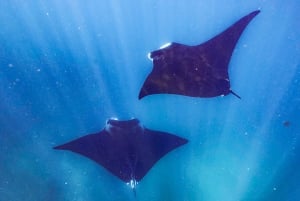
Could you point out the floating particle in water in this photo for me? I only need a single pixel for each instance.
(286, 123)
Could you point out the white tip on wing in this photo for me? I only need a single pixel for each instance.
(149, 56)
(165, 45)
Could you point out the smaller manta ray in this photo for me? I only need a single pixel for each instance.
(196, 71)
(125, 148)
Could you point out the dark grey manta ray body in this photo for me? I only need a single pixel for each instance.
(125, 148)
(197, 71)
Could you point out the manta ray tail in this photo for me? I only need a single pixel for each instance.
(235, 94)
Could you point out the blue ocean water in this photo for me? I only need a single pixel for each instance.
(67, 66)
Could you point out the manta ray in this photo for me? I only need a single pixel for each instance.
(126, 149)
(196, 71)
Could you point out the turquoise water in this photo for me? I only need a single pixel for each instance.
(67, 66)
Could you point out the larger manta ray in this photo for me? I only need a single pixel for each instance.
(125, 148)
(197, 71)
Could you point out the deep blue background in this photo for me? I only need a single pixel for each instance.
(67, 66)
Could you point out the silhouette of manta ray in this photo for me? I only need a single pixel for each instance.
(197, 71)
(125, 148)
